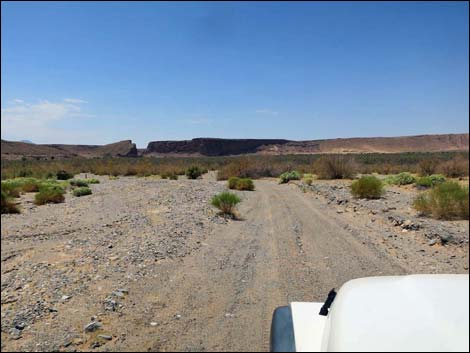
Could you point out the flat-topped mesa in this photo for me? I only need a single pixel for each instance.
(211, 146)
(17, 150)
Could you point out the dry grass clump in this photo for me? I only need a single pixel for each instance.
(367, 187)
(335, 167)
(455, 168)
(82, 191)
(226, 203)
(236, 183)
(448, 200)
(50, 194)
(7, 205)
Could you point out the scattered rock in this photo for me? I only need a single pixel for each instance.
(106, 337)
(93, 326)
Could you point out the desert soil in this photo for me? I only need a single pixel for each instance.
(148, 264)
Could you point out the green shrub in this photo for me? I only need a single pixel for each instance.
(307, 180)
(21, 185)
(288, 176)
(335, 167)
(63, 175)
(173, 176)
(430, 180)
(11, 189)
(245, 184)
(226, 202)
(240, 183)
(49, 194)
(30, 185)
(193, 172)
(7, 206)
(448, 200)
(367, 187)
(79, 182)
(403, 178)
(232, 182)
(92, 181)
(82, 191)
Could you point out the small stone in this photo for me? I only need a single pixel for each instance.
(117, 294)
(177, 316)
(445, 238)
(20, 326)
(407, 223)
(106, 337)
(153, 324)
(432, 242)
(92, 326)
(66, 297)
(15, 333)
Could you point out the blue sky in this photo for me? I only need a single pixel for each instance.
(102, 72)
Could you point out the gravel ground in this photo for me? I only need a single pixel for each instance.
(145, 264)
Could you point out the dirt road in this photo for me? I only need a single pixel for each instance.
(151, 262)
(284, 249)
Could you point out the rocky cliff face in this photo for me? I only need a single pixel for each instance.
(210, 146)
(17, 150)
(225, 147)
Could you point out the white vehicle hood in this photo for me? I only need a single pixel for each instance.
(398, 313)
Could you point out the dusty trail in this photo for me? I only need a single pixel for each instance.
(193, 281)
(283, 250)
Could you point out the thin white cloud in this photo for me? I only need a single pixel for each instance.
(36, 121)
(266, 112)
(197, 121)
(19, 101)
(74, 100)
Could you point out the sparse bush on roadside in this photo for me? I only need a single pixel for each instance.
(240, 183)
(49, 194)
(288, 176)
(173, 177)
(226, 203)
(193, 172)
(17, 185)
(92, 181)
(455, 168)
(430, 180)
(78, 182)
(82, 191)
(448, 200)
(63, 175)
(113, 177)
(427, 167)
(307, 179)
(335, 167)
(403, 178)
(11, 189)
(7, 206)
(367, 187)
(232, 182)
